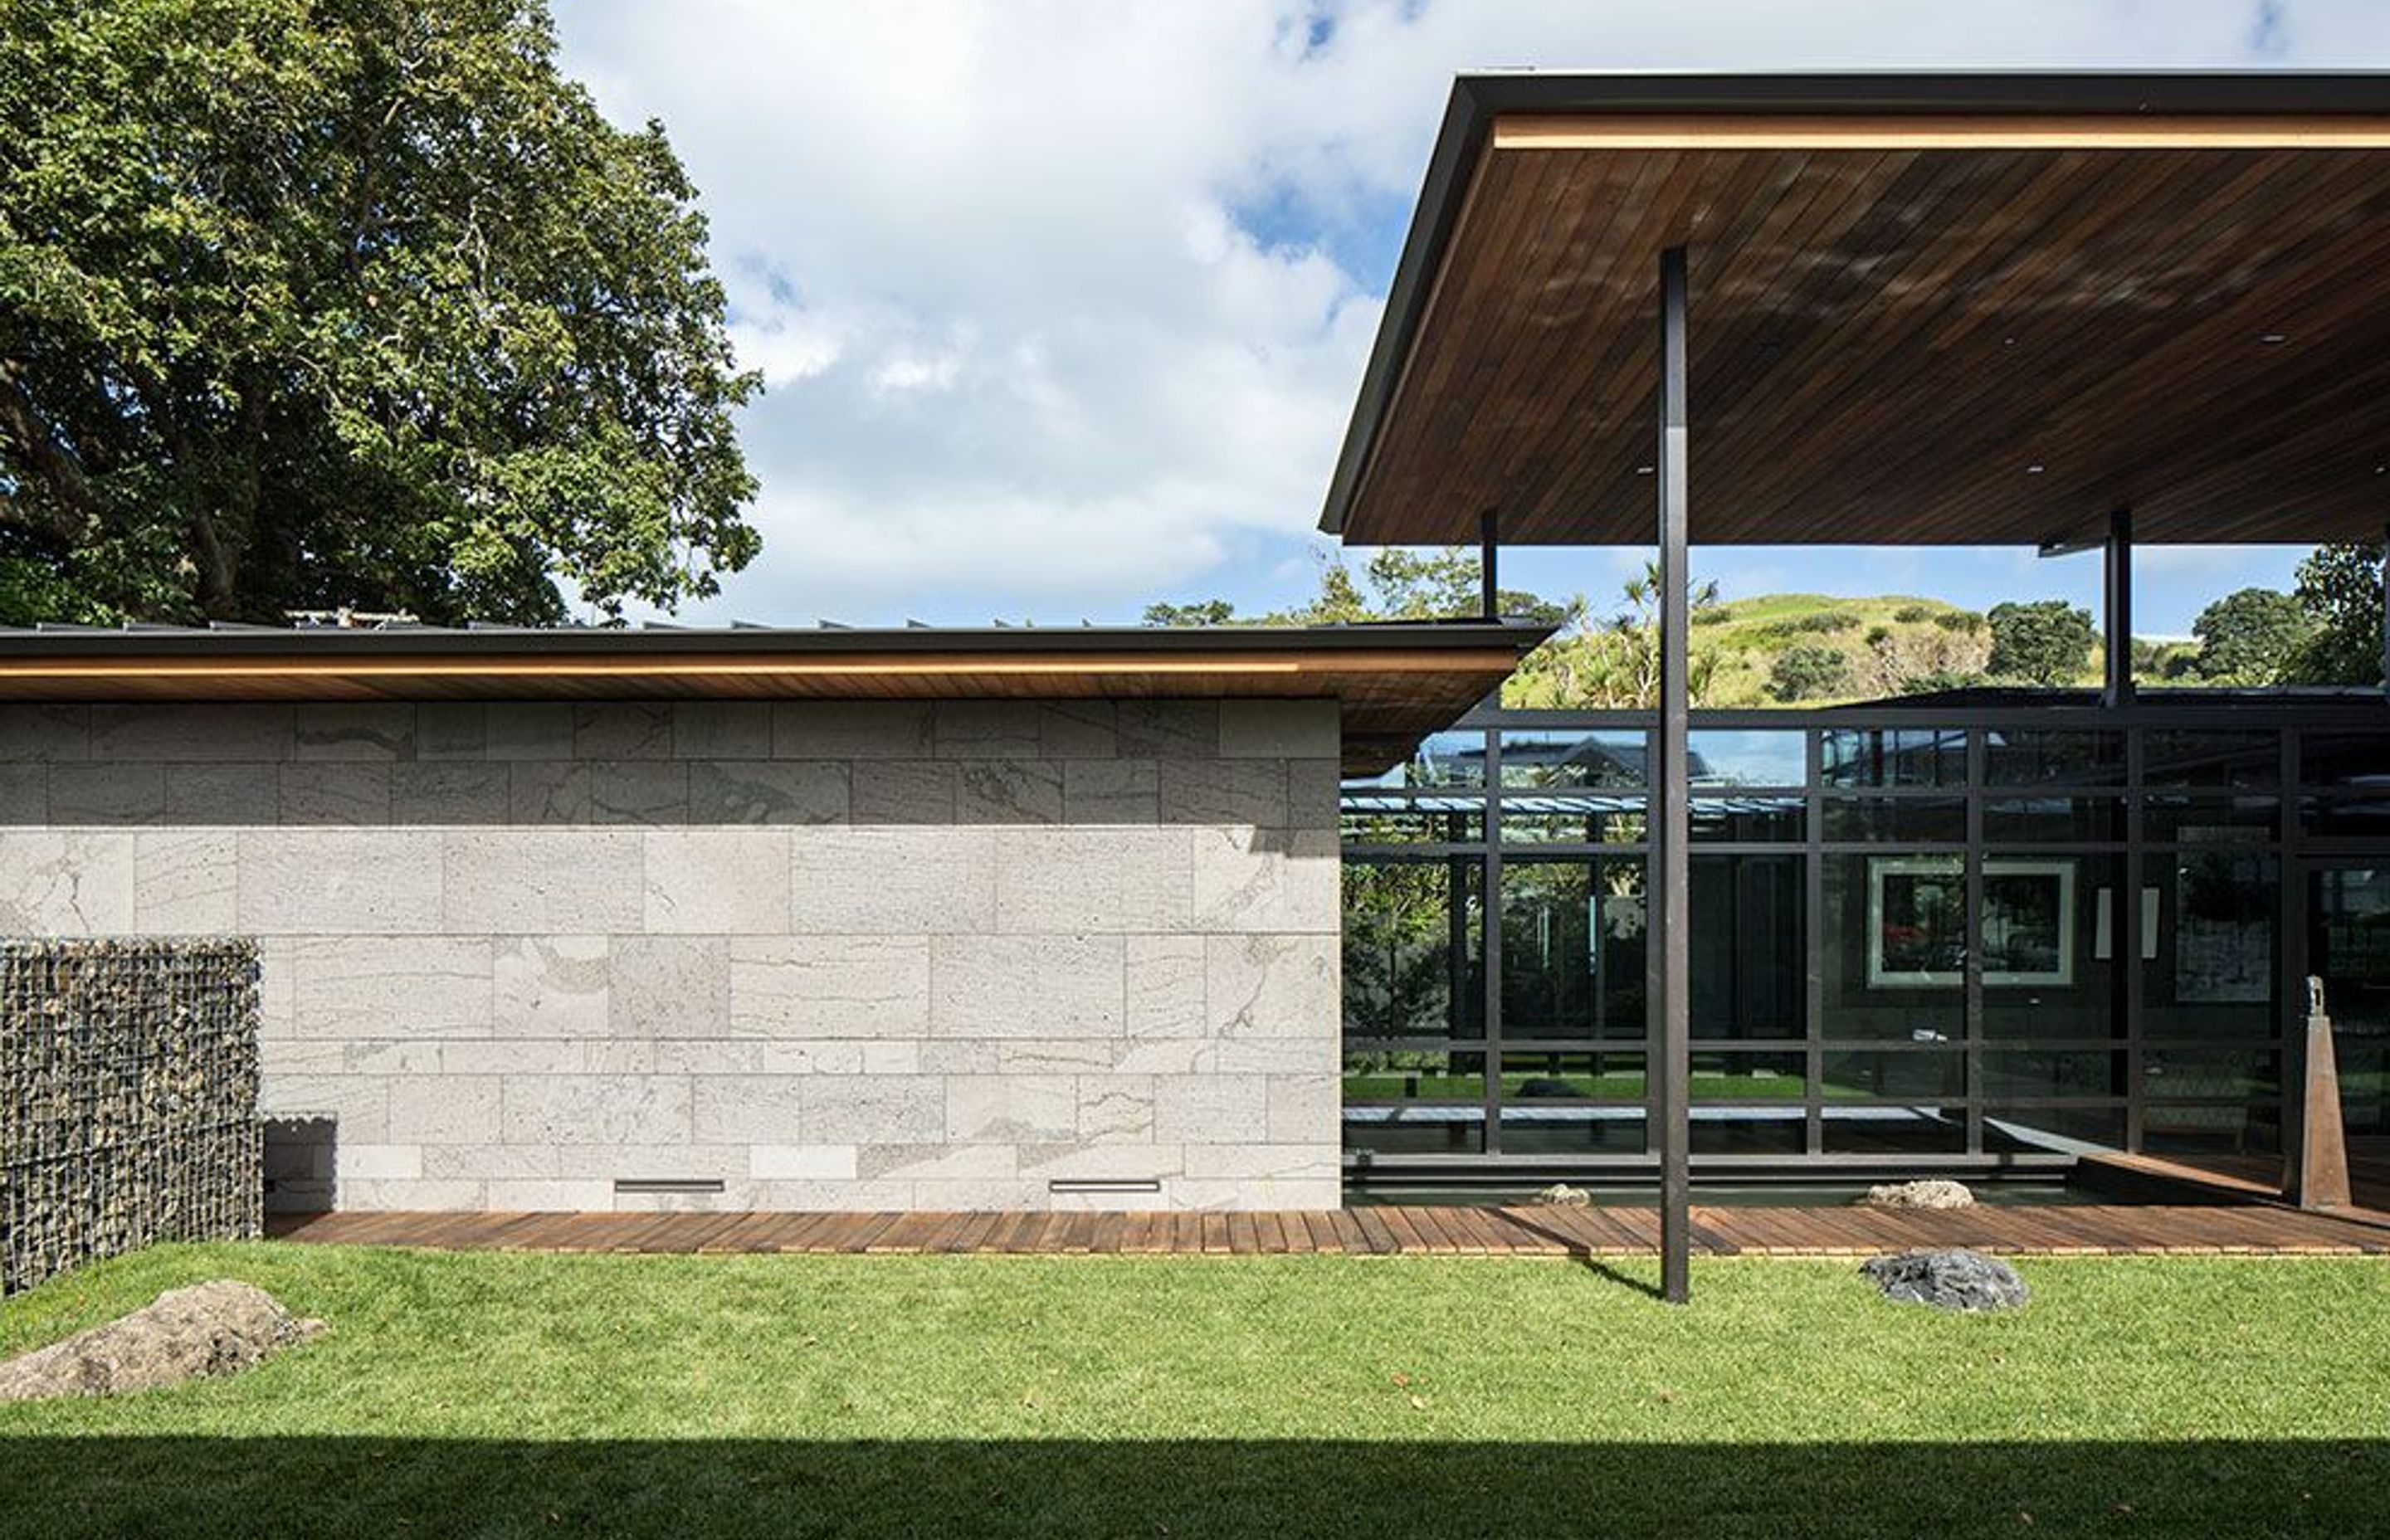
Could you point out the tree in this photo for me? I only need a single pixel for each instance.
(2250, 636)
(2340, 589)
(310, 303)
(1201, 613)
(2046, 642)
(1808, 672)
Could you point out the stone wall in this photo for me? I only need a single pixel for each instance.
(858, 955)
(128, 1099)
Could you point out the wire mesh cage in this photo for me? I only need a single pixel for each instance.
(128, 1099)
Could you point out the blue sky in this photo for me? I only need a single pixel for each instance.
(1063, 304)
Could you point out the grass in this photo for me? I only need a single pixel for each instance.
(495, 1394)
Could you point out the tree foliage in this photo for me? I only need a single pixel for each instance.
(1808, 672)
(2340, 589)
(2045, 642)
(2250, 636)
(307, 303)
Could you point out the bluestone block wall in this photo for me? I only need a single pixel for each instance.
(835, 955)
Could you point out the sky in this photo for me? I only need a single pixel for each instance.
(1063, 304)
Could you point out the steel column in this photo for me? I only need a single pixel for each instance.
(1671, 822)
(2117, 603)
(2386, 616)
(1489, 591)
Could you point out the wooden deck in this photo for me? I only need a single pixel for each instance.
(2016, 1230)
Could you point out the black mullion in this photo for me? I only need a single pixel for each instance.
(1490, 943)
(1812, 904)
(2127, 987)
(1971, 968)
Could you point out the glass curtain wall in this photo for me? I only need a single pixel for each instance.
(2010, 940)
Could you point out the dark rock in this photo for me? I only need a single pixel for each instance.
(208, 1328)
(1947, 1280)
(1544, 1085)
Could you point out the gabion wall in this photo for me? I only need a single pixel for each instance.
(128, 1099)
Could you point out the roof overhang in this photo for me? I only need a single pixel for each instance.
(1393, 683)
(1924, 309)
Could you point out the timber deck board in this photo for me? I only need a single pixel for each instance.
(2105, 1229)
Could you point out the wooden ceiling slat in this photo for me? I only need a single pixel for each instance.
(1882, 340)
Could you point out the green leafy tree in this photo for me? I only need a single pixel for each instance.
(1808, 673)
(2340, 589)
(1201, 613)
(307, 303)
(2045, 642)
(2250, 636)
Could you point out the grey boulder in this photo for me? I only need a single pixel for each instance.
(209, 1328)
(1928, 1194)
(1947, 1280)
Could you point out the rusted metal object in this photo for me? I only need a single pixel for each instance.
(2318, 1177)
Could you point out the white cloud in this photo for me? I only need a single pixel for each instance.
(1064, 300)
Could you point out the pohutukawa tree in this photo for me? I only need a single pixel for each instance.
(317, 302)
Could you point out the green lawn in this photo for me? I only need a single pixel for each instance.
(483, 1395)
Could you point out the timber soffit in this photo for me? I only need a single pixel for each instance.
(2004, 131)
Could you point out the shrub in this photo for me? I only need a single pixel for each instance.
(1806, 673)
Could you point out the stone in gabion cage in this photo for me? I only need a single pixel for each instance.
(128, 1099)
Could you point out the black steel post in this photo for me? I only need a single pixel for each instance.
(1671, 823)
(2117, 601)
(1490, 594)
(2386, 616)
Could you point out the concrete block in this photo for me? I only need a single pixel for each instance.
(1027, 986)
(623, 729)
(1205, 1110)
(528, 730)
(354, 730)
(832, 1197)
(906, 793)
(548, 1056)
(987, 729)
(978, 1195)
(1122, 1162)
(829, 986)
(1314, 787)
(899, 1057)
(25, 793)
(459, 791)
(493, 1163)
(767, 791)
(551, 986)
(438, 1196)
(1273, 986)
(1165, 987)
(1278, 1055)
(560, 881)
(1279, 730)
(312, 794)
(1066, 1057)
(383, 986)
(669, 986)
(580, 1195)
(1077, 729)
(891, 881)
(874, 1109)
(1260, 1160)
(1115, 1109)
(67, 883)
(378, 1162)
(51, 735)
(358, 1106)
(1266, 880)
(747, 1109)
(852, 729)
(1238, 791)
(1069, 880)
(716, 881)
(107, 793)
(937, 1162)
(451, 730)
(214, 731)
(722, 730)
(1009, 791)
(366, 881)
(1112, 791)
(550, 791)
(1306, 1110)
(247, 796)
(1169, 729)
(1018, 1109)
(681, 1162)
(186, 881)
(1165, 1055)
(638, 791)
(646, 1110)
(802, 1162)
